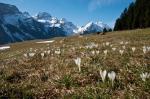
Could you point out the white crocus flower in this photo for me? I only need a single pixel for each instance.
(133, 49)
(97, 52)
(92, 45)
(78, 63)
(103, 75)
(121, 42)
(148, 48)
(48, 52)
(105, 52)
(126, 43)
(25, 55)
(107, 43)
(58, 52)
(144, 76)
(112, 76)
(121, 52)
(93, 52)
(31, 54)
(148, 75)
(144, 50)
(114, 49)
(124, 47)
(42, 55)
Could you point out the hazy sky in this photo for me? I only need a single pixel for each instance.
(79, 12)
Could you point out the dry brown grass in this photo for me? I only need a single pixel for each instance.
(57, 76)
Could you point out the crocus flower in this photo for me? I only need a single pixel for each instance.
(92, 45)
(144, 76)
(107, 43)
(25, 55)
(58, 52)
(31, 54)
(114, 49)
(148, 48)
(133, 49)
(121, 42)
(105, 52)
(78, 63)
(124, 47)
(48, 52)
(42, 55)
(103, 75)
(112, 76)
(97, 52)
(93, 52)
(121, 52)
(126, 43)
(144, 50)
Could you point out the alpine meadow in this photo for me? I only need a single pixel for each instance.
(47, 57)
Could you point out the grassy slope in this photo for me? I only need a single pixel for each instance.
(57, 75)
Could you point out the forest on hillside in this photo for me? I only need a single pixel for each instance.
(137, 15)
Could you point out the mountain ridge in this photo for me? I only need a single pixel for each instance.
(17, 26)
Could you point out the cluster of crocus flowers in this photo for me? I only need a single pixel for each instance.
(146, 49)
(144, 76)
(91, 45)
(31, 54)
(95, 52)
(58, 52)
(111, 76)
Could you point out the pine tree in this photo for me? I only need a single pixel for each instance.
(136, 16)
(117, 25)
(104, 30)
(130, 16)
(147, 14)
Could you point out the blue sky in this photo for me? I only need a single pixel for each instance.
(79, 12)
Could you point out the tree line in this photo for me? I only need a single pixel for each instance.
(137, 15)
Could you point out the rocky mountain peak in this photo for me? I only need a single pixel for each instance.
(8, 9)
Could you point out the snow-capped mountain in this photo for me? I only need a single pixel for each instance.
(50, 21)
(16, 26)
(92, 27)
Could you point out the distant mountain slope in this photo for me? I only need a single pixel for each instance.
(16, 26)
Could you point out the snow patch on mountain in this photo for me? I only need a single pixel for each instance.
(50, 21)
(43, 16)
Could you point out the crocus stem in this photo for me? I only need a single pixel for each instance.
(79, 68)
(112, 83)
